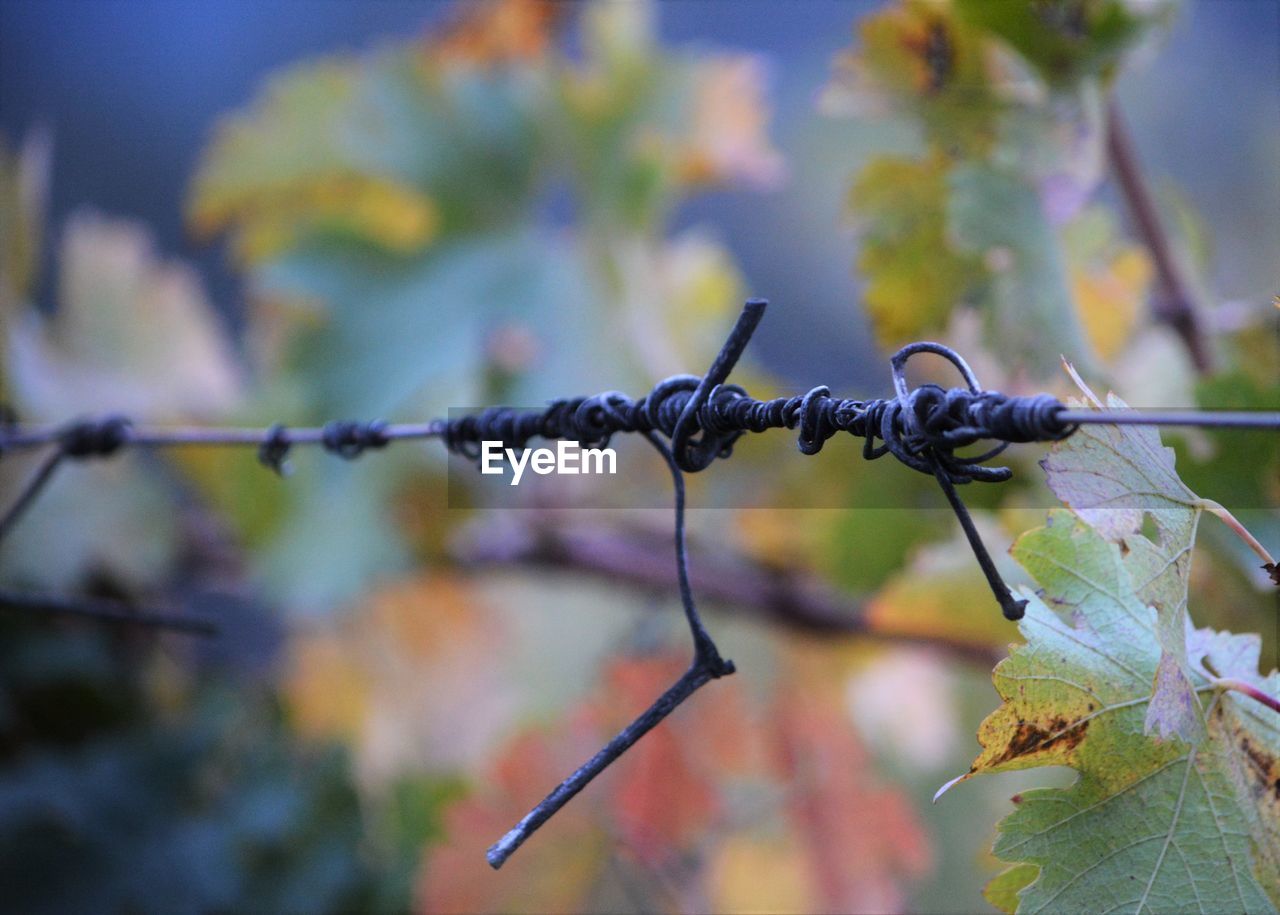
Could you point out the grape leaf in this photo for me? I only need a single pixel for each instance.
(919, 57)
(998, 215)
(380, 151)
(914, 276)
(1149, 824)
(1067, 41)
(1002, 890)
(1117, 478)
(920, 600)
(1110, 279)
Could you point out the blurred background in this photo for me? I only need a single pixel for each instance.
(244, 213)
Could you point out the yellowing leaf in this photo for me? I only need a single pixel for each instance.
(384, 212)
(1110, 280)
(290, 166)
(1002, 890)
(914, 276)
(943, 594)
(1117, 478)
(916, 56)
(132, 334)
(327, 687)
(374, 150)
(1109, 299)
(379, 678)
(493, 33)
(304, 109)
(24, 186)
(1149, 824)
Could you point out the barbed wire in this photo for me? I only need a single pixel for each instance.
(691, 421)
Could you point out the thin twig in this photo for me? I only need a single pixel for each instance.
(1175, 305)
(1233, 524)
(105, 611)
(1248, 689)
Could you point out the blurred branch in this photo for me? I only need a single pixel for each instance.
(1174, 302)
(105, 611)
(635, 557)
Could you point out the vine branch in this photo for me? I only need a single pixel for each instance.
(1175, 304)
(801, 603)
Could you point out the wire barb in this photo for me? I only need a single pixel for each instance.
(273, 453)
(707, 665)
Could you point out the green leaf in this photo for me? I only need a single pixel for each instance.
(410, 338)
(996, 215)
(24, 191)
(381, 150)
(1121, 479)
(1244, 468)
(1149, 824)
(401, 339)
(1067, 39)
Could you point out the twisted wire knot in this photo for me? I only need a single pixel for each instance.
(348, 439)
(273, 453)
(932, 424)
(86, 438)
(703, 417)
(924, 430)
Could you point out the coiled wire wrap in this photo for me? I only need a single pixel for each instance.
(930, 425)
(703, 417)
